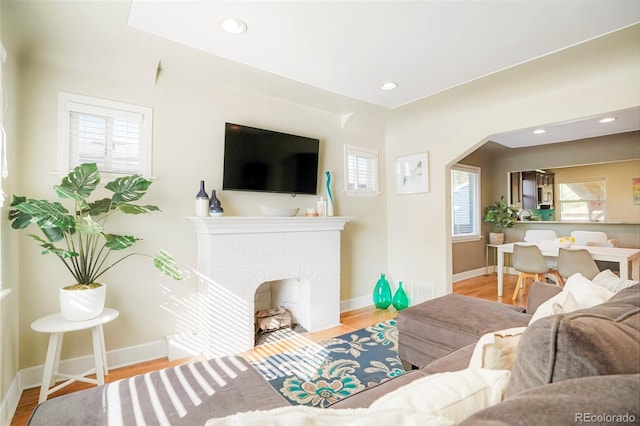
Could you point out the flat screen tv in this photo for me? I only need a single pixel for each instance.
(267, 161)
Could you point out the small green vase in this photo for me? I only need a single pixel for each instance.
(382, 293)
(400, 299)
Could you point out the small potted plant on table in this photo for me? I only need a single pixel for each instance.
(502, 216)
(78, 237)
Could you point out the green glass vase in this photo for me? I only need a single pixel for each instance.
(382, 293)
(400, 299)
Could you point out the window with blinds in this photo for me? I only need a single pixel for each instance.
(115, 136)
(583, 201)
(465, 202)
(361, 171)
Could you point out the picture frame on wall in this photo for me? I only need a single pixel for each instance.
(412, 173)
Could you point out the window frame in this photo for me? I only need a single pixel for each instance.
(605, 203)
(68, 102)
(353, 150)
(477, 233)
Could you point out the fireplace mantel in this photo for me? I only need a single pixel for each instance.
(250, 225)
(237, 254)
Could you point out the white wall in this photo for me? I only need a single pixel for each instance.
(596, 77)
(189, 117)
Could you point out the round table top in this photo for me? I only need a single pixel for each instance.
(54, 323)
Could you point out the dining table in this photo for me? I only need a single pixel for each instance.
(625, 257)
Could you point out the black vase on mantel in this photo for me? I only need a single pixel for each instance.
(215, 208)
(202, 202)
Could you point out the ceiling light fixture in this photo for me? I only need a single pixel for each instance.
(607, 120)
(233, 25)
(539, 131)
(389, 85)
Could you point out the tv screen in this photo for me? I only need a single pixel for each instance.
(268, 161)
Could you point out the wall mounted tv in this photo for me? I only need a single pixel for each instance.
(267, 161)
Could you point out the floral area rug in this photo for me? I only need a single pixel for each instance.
(323, 373)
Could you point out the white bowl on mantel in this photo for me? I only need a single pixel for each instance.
(279, 211)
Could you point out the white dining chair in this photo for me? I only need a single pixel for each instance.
(583, 238)
(542, 236)
(572, 261)
(529, 262)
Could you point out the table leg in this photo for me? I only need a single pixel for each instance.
(500, 271)
(624, 269)
(486, 260)
(635, 268)
(50, 364)
(98, 353)
(104, 352)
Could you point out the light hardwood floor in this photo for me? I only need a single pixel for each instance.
(484, 287)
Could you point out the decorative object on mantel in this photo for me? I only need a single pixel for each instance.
(279, 211)
(322, 207)
(215, 208)
(502, 216)
(86, 244)
(400, 299)
(202, 202)
(330, 211)
(382, 293)
(311, 213)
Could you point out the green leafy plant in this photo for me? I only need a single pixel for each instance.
(78, 238)
(501, 215)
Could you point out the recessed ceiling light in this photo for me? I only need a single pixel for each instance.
(389, 85)
(233, 25)
(539, 131)
(607, 120)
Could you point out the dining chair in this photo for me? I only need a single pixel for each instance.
(583, 238)
(541, 236)
(572, 261)
(529, 262)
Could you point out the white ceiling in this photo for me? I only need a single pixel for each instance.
(351, 47)
(324, 54)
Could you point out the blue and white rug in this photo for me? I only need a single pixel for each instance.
(321, 374)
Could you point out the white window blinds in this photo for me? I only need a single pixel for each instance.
(115, 136)
(361, 171)
(465, 196)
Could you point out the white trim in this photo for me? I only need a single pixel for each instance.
(356, 303)
(9, 403)
(32, 377)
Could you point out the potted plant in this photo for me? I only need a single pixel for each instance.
(502, 216)
(78, 236)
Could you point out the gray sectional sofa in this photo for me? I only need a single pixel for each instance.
(578, 367)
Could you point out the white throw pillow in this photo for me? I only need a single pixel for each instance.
(313, 416)
(578, 293)
(612, 282)
(455, 395)
(497, 350)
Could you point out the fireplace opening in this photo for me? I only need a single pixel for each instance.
(277, 310)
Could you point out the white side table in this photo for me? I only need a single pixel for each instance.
(56, 326)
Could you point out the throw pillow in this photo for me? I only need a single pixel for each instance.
(455, 395)
(561, 303)
(611, 281)
(313, 416)
(496, 350)
(578, 293)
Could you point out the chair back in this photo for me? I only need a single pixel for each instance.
(528, 258)
(584, 237)
(571, 261)
(539, 235)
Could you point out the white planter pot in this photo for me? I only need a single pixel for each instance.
(82, 305)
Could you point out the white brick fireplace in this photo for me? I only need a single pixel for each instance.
(236, 255)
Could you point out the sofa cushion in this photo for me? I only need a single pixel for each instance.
(604, 339)
(437, 327)
(597, 399)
